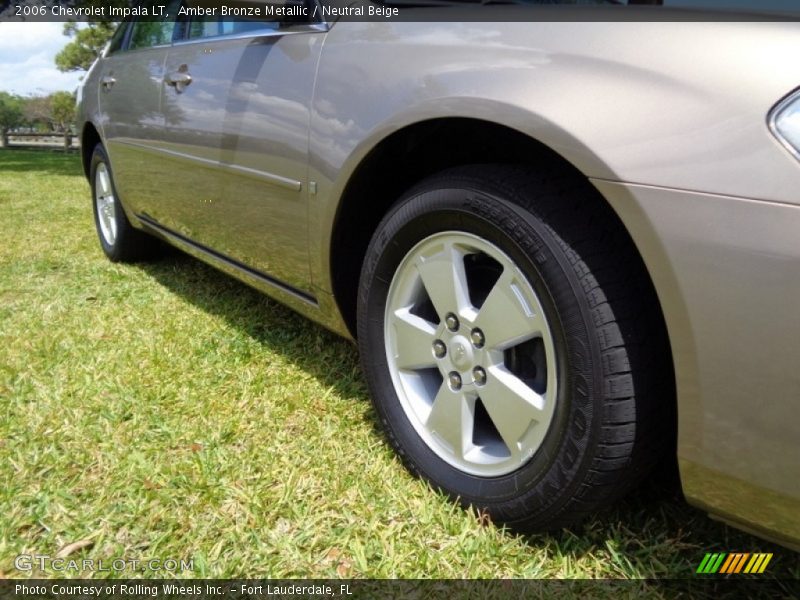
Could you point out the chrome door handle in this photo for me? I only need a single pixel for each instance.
(179, 79)
(107, 82)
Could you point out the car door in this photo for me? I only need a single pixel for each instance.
(237, 119)
(131, 118)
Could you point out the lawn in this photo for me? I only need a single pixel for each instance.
(165, 410)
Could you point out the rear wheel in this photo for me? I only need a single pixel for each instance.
(120, 241)
(506, 347)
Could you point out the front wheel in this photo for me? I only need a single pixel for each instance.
(505, 362)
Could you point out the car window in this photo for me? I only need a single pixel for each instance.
(295, 11)
(147, 34)
(207, 27)
(118, 39)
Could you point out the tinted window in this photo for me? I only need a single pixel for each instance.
(118, 38)
(151, 33)
(213, 27)
(146, 34)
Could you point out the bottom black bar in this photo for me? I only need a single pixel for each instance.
(265, 589)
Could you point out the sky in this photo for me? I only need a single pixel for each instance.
(27, 53)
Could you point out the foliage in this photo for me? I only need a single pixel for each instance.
(55, 112)
(11, 111)
(86, 46)
(38, 110)
(63, 110)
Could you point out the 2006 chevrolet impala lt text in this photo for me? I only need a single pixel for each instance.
(565, 249)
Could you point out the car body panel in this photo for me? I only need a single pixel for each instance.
(130, 120)
(727, 272)
(240, 131)
(190, 142)
(668, 120)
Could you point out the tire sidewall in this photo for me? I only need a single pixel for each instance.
(553, 471)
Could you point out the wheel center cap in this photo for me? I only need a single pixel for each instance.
(461, 353)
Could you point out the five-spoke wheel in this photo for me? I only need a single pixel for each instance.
(105, 204)
(458, 311)
(503, 330)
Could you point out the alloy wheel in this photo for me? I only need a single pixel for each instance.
(471, 353)
(106, 207)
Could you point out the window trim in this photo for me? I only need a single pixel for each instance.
(123, 46)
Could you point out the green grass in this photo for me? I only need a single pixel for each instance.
(165, 410)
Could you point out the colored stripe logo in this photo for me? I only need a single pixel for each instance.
(733, 563)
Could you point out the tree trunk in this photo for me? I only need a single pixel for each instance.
(67, 141)
(3, 138)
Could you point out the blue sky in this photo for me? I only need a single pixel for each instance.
(27, 51)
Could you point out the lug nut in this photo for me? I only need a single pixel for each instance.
(454, 379)
(479, 375)
(478, 340)
(452, 322)
(439, 349)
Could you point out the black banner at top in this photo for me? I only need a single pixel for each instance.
(403, 10)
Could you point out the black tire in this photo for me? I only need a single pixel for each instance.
(614, 411)
(129, 244)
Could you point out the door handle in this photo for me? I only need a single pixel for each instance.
(179, 79)
(107, 82)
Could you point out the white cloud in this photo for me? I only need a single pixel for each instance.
(27, 53)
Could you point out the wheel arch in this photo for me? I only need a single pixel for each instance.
(428, 147)
(424, 148)
(90, 137)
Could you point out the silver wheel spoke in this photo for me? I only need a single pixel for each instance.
(440, 370)
(515, 409)
(105, 184)
(104, 202)
(506, 318)
(414, 339)
(112, 217)
(445, 280)
(451, 419)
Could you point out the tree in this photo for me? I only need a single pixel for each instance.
(37, 111)
(62, 112)
(86, 46)
(53, 113)
(10, 115)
